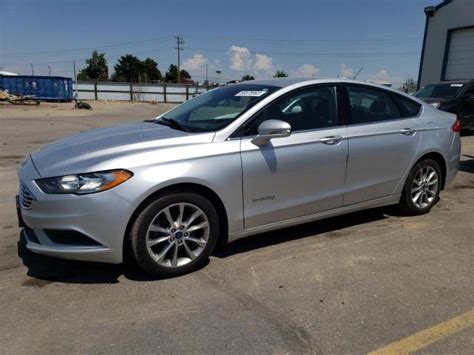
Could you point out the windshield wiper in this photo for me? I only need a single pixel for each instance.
(171, 123)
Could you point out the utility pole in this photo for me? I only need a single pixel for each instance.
(49, 70)
(32, 69)
(207, 81)
(179, 43)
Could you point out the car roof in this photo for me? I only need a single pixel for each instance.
(287, 82)
(284, 82)
(278, 82)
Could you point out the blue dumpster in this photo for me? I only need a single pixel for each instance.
(41, 88)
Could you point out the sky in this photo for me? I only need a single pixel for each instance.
(316, 38)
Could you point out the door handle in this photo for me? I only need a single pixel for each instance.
(331, 140)
(408, 131)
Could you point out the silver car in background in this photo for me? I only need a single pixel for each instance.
(233, 162)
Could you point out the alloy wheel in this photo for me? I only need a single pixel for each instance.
(424, 187)
(177, 235)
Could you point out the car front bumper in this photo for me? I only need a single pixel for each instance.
(38, 242)
(100, 218)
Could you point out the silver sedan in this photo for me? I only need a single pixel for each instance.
(233, 162)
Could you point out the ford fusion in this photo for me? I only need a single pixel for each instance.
(236, 161)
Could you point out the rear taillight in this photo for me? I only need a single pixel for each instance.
(456, 126)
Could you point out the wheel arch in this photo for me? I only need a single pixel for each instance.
(182, 187)
(437, 157)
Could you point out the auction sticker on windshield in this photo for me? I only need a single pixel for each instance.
(253, 93)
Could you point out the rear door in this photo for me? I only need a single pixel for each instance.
(383, 140)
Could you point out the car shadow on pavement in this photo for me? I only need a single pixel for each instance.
(467, 165)
(48, 269)
(331, 227)
(44, 270)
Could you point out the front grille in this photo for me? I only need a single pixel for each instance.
(26, 197)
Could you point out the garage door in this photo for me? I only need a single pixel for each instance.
(460, 64)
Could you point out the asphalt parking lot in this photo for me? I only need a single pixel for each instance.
(368, 281)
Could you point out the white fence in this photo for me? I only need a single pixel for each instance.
(172, 93)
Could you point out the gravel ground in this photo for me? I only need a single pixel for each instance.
(350, 284)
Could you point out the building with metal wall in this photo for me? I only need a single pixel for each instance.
(448, 42)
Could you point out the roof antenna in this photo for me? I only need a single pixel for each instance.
(357, 74)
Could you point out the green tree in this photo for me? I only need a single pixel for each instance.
(128, 68)
(280, 74)
(96, 68)
(171, 75)
(185, 74)
(150, 69)
(409, 85)
(247, 77)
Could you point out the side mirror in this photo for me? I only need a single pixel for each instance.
(271, 129)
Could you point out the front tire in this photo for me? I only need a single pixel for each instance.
(175, 234)
(422, 187)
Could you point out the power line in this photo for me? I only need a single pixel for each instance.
(107, 57)
(306, 41)
(107, 46)
(347, 54)
(165, 38)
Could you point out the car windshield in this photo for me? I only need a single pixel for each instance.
(440, 91)
(215, 109)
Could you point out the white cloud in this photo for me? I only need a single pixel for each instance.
(240, 58)
(263, 63)
(346, 72)
(307, 70)
(195, 64)
(382, 75)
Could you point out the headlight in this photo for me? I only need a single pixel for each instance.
(436, 104)
(84, 183)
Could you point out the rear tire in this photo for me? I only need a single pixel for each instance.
(422, 187)
(175, 234)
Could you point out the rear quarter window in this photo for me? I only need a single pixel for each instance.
(408, 108)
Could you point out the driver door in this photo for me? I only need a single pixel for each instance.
(300, 174)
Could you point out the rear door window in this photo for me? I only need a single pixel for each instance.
(371, 105)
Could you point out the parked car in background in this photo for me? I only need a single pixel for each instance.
(235, 161)
(452, 96)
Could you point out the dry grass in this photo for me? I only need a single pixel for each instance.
(48, 109)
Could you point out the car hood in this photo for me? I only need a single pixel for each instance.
(85, 152)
